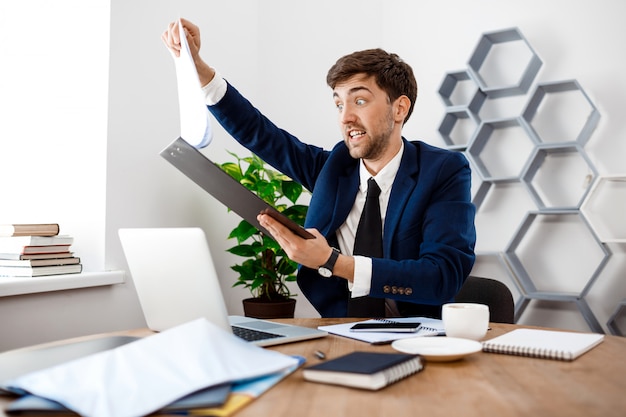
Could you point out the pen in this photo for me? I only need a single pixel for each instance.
(320, 354)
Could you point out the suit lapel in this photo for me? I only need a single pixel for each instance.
(348, 186)
(403, 187)
(335, 191)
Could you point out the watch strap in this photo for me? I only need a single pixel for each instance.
(332, 259)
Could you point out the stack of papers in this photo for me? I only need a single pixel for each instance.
(145, 376)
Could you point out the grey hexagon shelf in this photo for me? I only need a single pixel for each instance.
(476, 181)
(501, 206)
(527, 245)
(494, 50)
(561, 112)
(481, 194)
(617, 322)
(604, 208)
(494, 142)
(509, 279)
(457, 128)
(579, 301)
(559, 177)
(457, 89)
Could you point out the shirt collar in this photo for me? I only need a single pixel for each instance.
(385, 176)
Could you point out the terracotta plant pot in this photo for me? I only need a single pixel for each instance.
(262, 309)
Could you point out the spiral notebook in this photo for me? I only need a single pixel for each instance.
(365, 370)
(546, 344)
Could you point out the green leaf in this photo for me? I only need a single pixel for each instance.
(250, 184)
(233, 170)
(243, 232)
(270, 243)
(243, 250)
(292, 190)
(267, 192)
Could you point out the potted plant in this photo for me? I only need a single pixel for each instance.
(267, 268)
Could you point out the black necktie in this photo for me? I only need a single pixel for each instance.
(369, 242)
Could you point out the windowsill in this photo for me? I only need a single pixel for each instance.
(20, 286)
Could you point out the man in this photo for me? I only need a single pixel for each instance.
(428, 235)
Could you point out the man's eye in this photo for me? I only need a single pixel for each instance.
(339, 106)
(360, 102)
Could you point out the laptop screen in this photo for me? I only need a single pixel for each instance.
(174, 276)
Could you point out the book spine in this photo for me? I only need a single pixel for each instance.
(39, 229)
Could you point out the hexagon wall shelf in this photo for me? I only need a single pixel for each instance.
(457, 89)
(561, 112)
(501, 206)
(497, 147)
(494, 51)
(605, 208)
(457, 128)
(531, 150)
(542, 240)
(559, 177)
(617, 322)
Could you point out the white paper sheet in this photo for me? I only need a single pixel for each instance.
(144, 376)
(429, 327)
(195, 126)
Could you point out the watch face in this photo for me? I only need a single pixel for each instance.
(325, 272)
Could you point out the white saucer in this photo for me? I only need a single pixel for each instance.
(438, 349)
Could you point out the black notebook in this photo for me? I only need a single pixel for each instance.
(366, 370)
(546, 344)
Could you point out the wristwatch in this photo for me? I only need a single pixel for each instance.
(326, 270)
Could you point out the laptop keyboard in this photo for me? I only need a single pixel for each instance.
(251, 335)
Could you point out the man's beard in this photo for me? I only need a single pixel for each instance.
(376, 145)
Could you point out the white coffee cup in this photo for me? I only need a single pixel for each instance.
(465, 320)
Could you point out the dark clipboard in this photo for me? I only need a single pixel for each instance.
(210, 177)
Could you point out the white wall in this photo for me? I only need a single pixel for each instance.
(277, 52)
(54, 83)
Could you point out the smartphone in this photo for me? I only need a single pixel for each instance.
(385, 326)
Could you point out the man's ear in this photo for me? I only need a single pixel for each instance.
(401, 108)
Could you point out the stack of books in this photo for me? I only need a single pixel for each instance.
(34, 250)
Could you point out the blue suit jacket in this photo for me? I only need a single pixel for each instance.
(429, 236)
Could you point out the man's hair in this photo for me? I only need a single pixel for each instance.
(392, 74)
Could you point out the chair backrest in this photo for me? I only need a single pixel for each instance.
(491, 292)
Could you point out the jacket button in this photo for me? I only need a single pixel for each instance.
(408, 291)
(394, 290)
(401, 290)
(386, 289)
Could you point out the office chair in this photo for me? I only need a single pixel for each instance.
(491, 292)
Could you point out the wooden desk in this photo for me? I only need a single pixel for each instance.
(483, 384)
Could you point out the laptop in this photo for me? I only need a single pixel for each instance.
(176, 282)
(230, 192)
